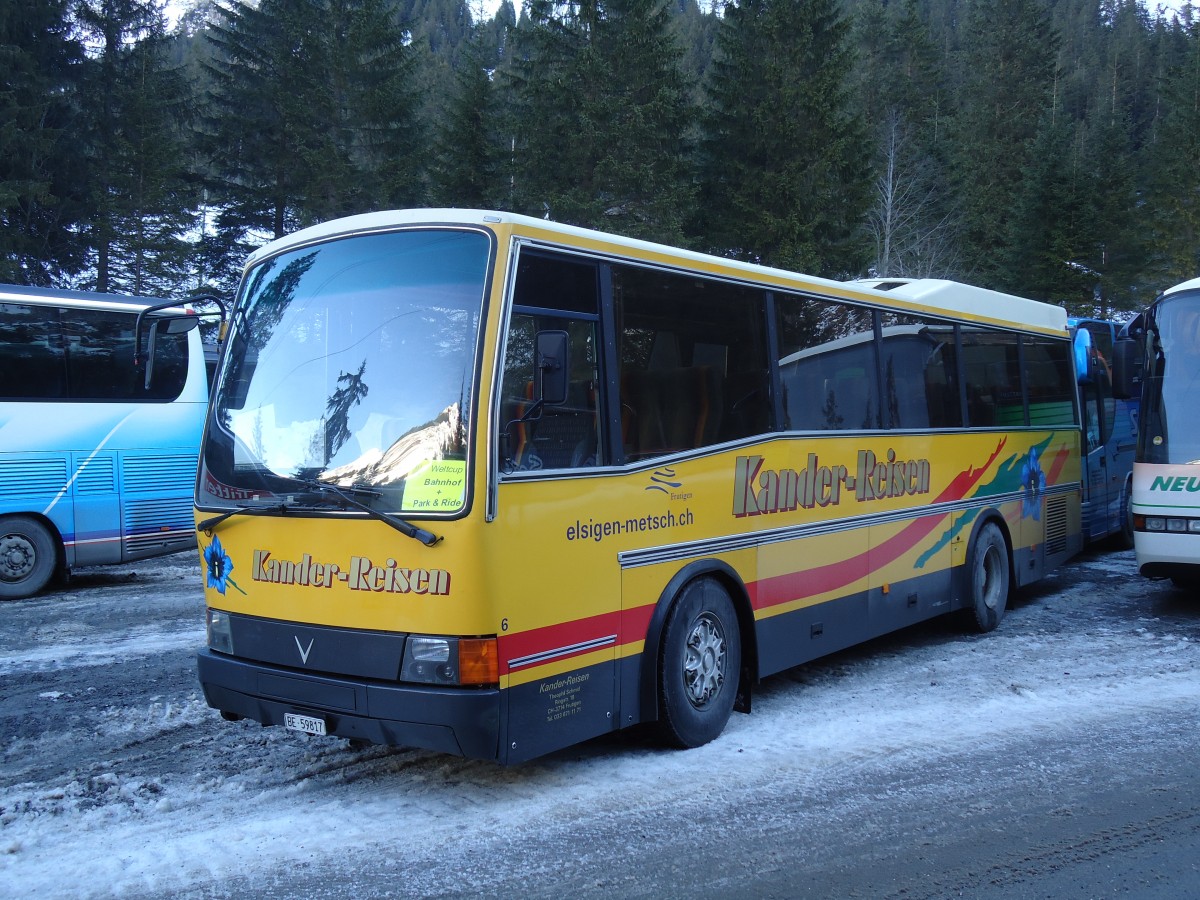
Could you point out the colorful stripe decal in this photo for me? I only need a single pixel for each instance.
(629, 626)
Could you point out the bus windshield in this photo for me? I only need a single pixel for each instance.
(351, 365)
(1171, 428)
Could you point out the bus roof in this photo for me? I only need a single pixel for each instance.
(1186, 286)
(926, 295)
(14, 293)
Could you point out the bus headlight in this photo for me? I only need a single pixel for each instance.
(220, 634)
(1166, 523)
(430, 659)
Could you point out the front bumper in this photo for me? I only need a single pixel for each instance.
(460, 721)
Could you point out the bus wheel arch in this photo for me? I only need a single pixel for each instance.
(988, 573)
(705, 606)
(30, 555)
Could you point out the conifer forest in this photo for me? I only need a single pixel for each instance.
(1047, 148)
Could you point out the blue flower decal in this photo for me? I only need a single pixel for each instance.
(219, 565)
(1033, 480)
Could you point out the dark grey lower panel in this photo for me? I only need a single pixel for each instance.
(464, 721)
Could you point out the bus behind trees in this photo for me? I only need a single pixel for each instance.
(491, 485)
(102, 402)
(1166, 474)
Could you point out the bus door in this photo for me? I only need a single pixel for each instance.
(566, 523)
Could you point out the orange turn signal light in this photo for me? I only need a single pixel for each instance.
(478, 661)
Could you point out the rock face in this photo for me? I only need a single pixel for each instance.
(438, 439)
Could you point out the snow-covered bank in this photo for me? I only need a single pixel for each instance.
(181, 801)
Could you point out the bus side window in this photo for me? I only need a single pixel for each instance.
(1051, 390)
(32, 362)
(693, 361)
(559, 294)
(920, 378)
(828, 365)
(993, 374)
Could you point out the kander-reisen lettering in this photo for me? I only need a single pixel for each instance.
(758, 490)
(360, 575)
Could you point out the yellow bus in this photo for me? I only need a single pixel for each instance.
(491, 485)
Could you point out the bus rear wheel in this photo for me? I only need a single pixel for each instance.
(699, 666)
(989, 574)
(28, 556)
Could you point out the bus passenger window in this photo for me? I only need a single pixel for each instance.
(993, 376)
(920, 378)
(827, 365)
(32, 362)
(1050, 386)
(693, 363)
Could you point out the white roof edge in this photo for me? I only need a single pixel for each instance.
(1186, 286)
(972, 300)
(953, 296)
(20, 293)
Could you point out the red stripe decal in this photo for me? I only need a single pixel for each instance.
(1056, 467)
(554, 637)
(810, 582)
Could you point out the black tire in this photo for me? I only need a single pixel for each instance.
(699, 665)
(28, 556)
(989, 577)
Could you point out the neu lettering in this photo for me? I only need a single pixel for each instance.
(362, 575)
(1189, 483)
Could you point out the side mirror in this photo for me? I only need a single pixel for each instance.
(551, 367)
(1084, 359)
(1127, 369)
(171, 325)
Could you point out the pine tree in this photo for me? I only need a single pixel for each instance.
(1173, 194)
(900, 85)
(1007, 89)
(783, 166)
(41, 167)
(311, 113)
(130, 127)
(600, 118)
(469, 144)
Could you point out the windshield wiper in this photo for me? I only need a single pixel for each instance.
(346, 496)
(207, 525)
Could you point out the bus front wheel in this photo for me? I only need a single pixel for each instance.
(28, 556)
(989, 577)
(700, 664)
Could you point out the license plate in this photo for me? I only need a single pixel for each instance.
(307, 724)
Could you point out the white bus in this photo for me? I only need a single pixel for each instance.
(1166, 473)
(102, 402)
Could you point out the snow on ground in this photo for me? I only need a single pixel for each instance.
(188, 800)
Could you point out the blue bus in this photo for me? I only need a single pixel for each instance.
(102, 403)
(1110, 429)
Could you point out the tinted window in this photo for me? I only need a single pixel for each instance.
(991, 361)
(692, 358)
(920, 375)
(553, 293)
(84, 354)
(1050, 383)
(827, 365)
